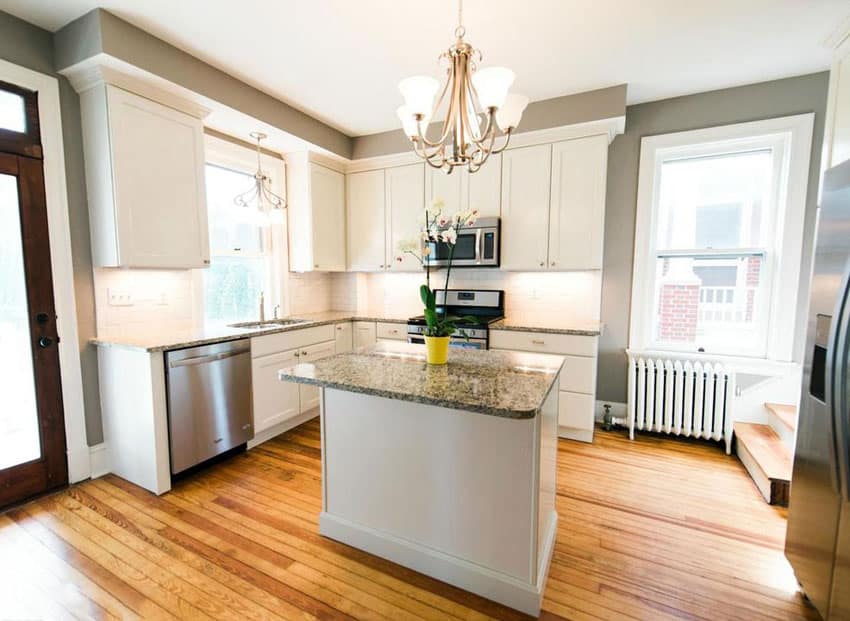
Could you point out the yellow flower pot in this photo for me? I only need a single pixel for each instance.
(437, 349)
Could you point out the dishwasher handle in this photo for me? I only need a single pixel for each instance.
(188, 362)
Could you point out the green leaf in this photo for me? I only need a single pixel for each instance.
(425, 295)
(431, 318)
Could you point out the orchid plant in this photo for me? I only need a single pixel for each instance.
(437, 228)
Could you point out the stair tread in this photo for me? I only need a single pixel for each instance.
(785, 413)
(767, 449)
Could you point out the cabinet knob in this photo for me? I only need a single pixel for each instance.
(315, 265)
(303, 353)
(552, 264)
(297, 354)
(542, 263)
(339, 327)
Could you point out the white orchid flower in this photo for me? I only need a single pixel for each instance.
(449, 236)
(437, 205)
(426, 251)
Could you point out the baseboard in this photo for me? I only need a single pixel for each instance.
(485, 582)
(581, 435)
(618, 410)
(272, 432)
(99, 458)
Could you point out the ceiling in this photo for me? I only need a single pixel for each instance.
(340, 60)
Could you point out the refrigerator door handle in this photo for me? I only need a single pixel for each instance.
(837, 368)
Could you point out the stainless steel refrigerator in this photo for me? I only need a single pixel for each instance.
(818, 540)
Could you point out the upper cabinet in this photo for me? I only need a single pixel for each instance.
(836, 144)
(316, 207)
(553, 205)
(366, 217)
(405, 200)
(525, 207)
(577, 210)
(384, 211)
(144, 165)
(462, 190)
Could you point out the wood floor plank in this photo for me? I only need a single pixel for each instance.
(657, 529)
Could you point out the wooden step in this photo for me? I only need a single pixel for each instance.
(787, 414)
(767, 459)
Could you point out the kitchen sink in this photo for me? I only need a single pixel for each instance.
(271, 323)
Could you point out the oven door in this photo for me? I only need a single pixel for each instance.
(455, 341)
(478, 247)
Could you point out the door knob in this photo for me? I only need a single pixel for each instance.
(45, 341)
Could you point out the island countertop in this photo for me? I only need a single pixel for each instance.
(505, 384)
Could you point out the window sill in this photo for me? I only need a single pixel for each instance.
(739, 364)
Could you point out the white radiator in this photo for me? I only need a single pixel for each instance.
(681, 397)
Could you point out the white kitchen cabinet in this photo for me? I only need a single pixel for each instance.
(364, 334)
(577, 388)
(365, 193)
(316, 207)
(836, 143)
(577, 210)
(525, 208)
(275, 401)
(405, 201)
(385, 331)
(309, 395)
(144, 165)
(344, 337)
(462, 190)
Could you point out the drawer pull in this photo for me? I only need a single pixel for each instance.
(298, 354)
(538, 341)
(304, 353)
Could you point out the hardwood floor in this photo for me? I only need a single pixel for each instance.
(651, 529)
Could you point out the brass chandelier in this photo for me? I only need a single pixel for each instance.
(479, 108)
(260, 195)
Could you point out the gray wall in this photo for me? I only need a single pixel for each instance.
(746, 103)
(29, 46)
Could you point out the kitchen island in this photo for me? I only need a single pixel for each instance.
(448, 470)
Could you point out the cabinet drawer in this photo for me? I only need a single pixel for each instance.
(579, 374)
(575, 410)
(571, 344)
(395, 331)
(282, 341)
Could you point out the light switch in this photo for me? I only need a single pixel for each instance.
(119, 297)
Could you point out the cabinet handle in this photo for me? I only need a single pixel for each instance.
(542, 263)
(538, 342)
(315, 265)
(339, 327)
(552, 264)
(297, 354)
(304, 353)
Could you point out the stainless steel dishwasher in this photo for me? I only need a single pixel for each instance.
(209, 401)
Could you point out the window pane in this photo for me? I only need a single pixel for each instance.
(715, 304)
(232, 228)
(714, 202)
(232, 288)
(12, 112)
(19, 441)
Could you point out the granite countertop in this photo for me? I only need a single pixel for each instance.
(505, 384)
(207, 335)
(524, 324)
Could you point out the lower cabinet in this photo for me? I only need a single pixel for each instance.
(344, 334)
(364, 333)
(277, 403)
(577, 389)
(390, 331)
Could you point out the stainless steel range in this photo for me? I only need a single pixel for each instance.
(481, 308)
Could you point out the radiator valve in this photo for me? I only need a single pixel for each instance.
(608, 418)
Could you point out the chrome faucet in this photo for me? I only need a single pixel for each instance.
(262, 306)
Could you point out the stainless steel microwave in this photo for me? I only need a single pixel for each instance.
(477, 246)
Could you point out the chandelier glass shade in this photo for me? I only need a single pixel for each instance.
(476, 104)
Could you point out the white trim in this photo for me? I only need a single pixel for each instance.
(493, 585)
(610, 127)
(100, 460)
(795, 135)
(273, 432)
(59, 231)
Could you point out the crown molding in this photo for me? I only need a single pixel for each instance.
(105, 69)
(839, 39)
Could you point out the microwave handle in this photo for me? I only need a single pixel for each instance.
(478, 246)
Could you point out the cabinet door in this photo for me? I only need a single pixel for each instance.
(405, 192)
(364, 334)
(485, 188)
(575, 410)
(158, 175)
(366, 221)
(450, 188)
(839, 149)
(577, 216)
(309, 395)
(274, 401)
(343, 333)
(327, 194)
(525, 207)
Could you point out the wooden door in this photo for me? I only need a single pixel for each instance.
(327, 195)
(525, 207)
(366, 226)
(405, 208)
(577, 216)
(32, 426)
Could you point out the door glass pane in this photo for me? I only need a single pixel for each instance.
(715, 202)
(12, 114)
(19, 440)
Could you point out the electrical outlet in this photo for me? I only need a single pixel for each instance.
(119, 297)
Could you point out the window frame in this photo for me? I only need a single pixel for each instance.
(234, 156)
(790, 139)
